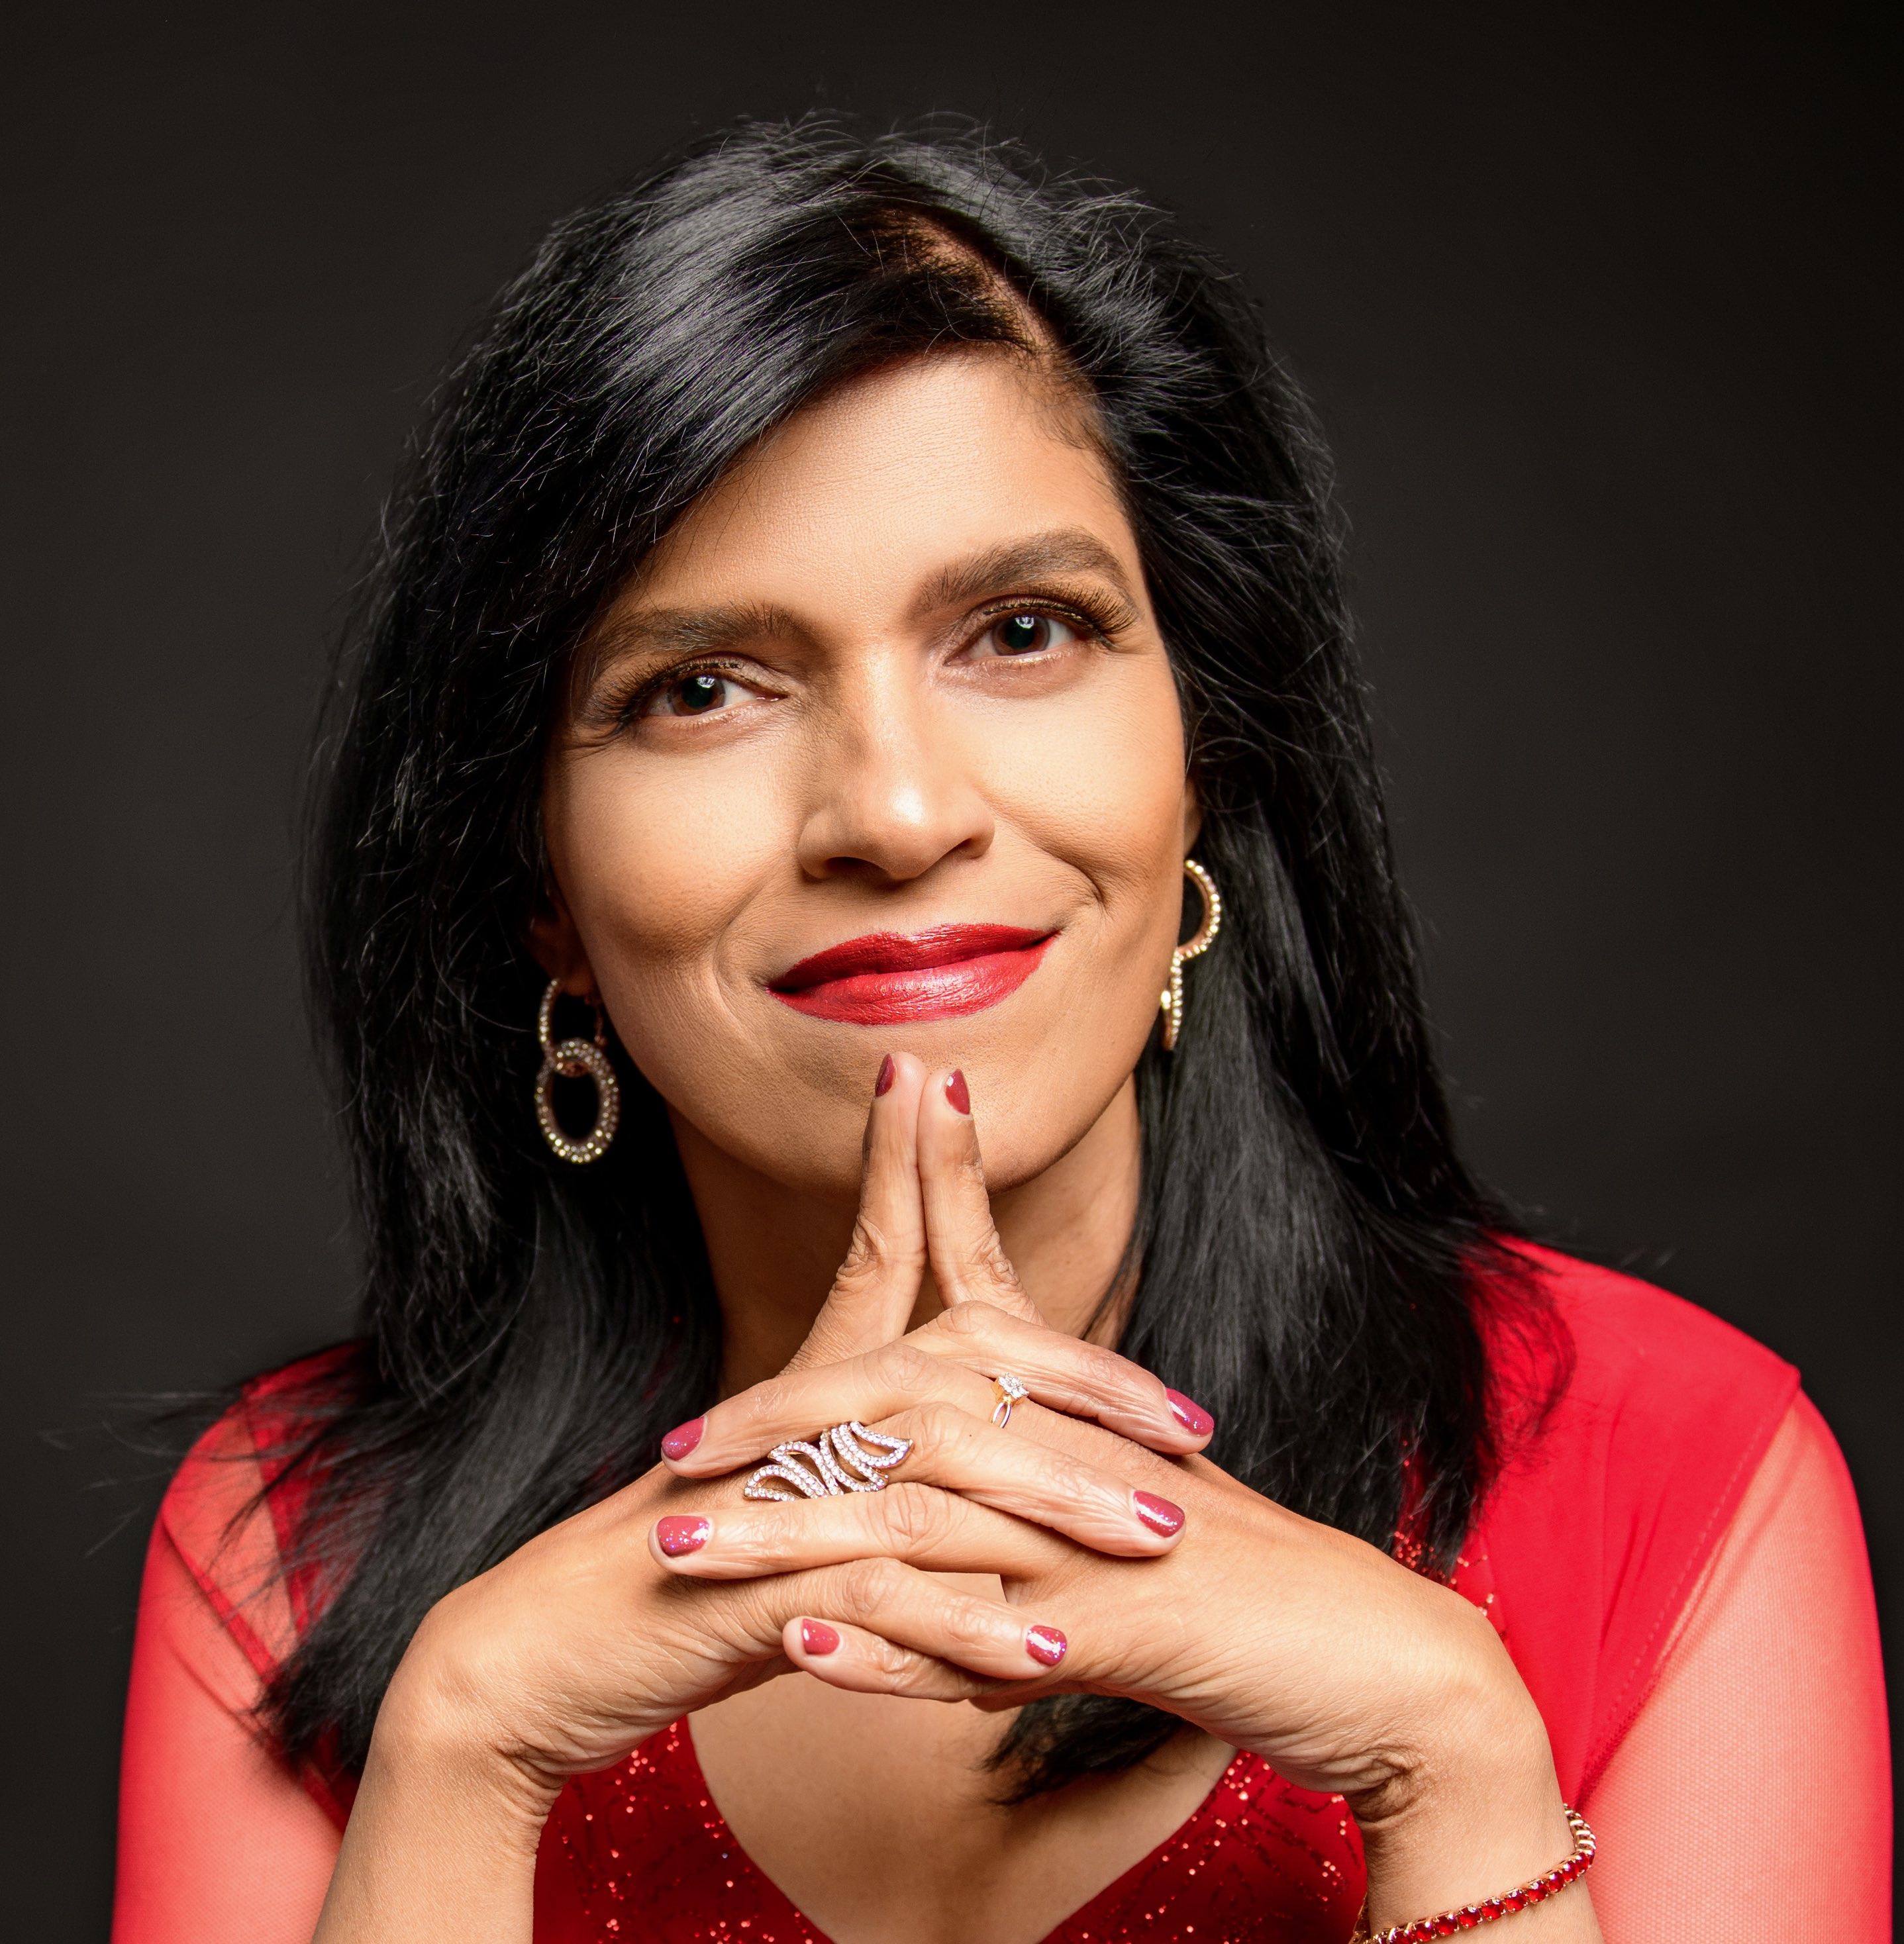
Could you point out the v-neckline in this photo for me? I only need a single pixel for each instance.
(1258, 1858)
(722, 1831)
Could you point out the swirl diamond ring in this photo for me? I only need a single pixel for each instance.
(849, 1458)
(1009, 1391)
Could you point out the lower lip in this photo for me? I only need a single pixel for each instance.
(928, 993)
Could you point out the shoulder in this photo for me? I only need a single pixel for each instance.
(1628, 1360)
(1648, 1417)
(235, 1506)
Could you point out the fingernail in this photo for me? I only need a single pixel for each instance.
(1160, 1514)
(816, 1637)
(879, 1086)
(1193, 1417)
(677, 1535)
(955, 1091)
(1045, 1644)
(683, 1438)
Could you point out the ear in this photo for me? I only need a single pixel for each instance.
(1193, 814)
(557, 945)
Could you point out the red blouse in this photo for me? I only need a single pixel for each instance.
(1585, 1558)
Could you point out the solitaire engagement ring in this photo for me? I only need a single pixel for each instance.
(849, 1458)
(1009, 1391)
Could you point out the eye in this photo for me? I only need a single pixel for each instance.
(1027, 632)
(700, 692)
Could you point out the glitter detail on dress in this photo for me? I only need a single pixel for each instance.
(649, 1855)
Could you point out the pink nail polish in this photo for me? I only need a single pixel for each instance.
(816, 1637)
(677, 1535)
(1160, 1514)
(1193, 1417)
(880, 1086)
(683, 1439)
(1046, 1644)
(956, 1091)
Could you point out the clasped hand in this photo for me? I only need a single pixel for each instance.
(1129, 1565)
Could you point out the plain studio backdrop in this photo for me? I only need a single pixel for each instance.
(1598, 317)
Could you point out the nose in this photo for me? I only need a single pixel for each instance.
(894, 792)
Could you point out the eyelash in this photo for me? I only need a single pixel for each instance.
(1094, 620)
(630, 708)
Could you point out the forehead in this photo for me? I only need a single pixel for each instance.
(876, 485)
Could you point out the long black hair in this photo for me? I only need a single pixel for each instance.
(1308, 1247)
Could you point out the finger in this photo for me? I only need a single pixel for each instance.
(969, 1262)
(953, 1359)
(1065, 1373)
(863, 1663)
(741, 1429)
(872, 1298)
(937, 1531)
(974, 1500)
(900, 1604)
(971, 1460)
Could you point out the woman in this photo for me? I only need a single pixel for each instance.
(857, 609)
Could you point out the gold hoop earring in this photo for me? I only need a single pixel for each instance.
(1171, 1000)
(571, 1058)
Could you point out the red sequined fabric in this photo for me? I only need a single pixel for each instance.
(649, 1857)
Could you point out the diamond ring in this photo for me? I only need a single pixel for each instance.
(1009, 1391)
(849, 1458)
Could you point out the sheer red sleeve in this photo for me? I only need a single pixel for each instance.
(219, 1842)
(1751, 1795)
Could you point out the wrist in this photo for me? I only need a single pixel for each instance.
(433, 1737)
(1476, 1815)
(442, 1837)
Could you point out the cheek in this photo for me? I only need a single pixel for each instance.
(1102, 789)
(656, 869)
(1101, 793)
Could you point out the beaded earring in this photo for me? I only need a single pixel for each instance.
(1171, 1000)
(571, 1058)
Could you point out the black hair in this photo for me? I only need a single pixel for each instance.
(1309, 1250)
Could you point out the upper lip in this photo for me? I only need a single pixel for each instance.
(905, 951)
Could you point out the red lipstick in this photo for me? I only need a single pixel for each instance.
(890, 978)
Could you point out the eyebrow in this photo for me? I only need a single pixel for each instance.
(674, 631)
(1064, 550)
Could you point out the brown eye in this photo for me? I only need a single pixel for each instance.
(1028, 632)
(1022, 634)
(700, 693)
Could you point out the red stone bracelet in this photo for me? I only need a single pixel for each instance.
(1470, 1915)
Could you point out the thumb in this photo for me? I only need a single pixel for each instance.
(872, 1298)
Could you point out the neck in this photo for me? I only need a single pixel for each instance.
(774, 1250)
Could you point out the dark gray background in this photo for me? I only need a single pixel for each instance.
(1593, 310)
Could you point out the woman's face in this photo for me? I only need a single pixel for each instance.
(893, 686)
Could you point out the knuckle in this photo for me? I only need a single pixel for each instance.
(990, 1258)
(924, 1680)
(897, 1666)
(969, 1318)
(1117, 1377)
(868, 1255)
(935, 1427)
(1057, 1475)
(768, 1535)
(905, 1369)
(967, 1626)
(765, 1405)
(868, 1587)
(747, 1614)
(916, 1518)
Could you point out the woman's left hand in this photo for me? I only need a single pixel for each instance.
(1350, 1673)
